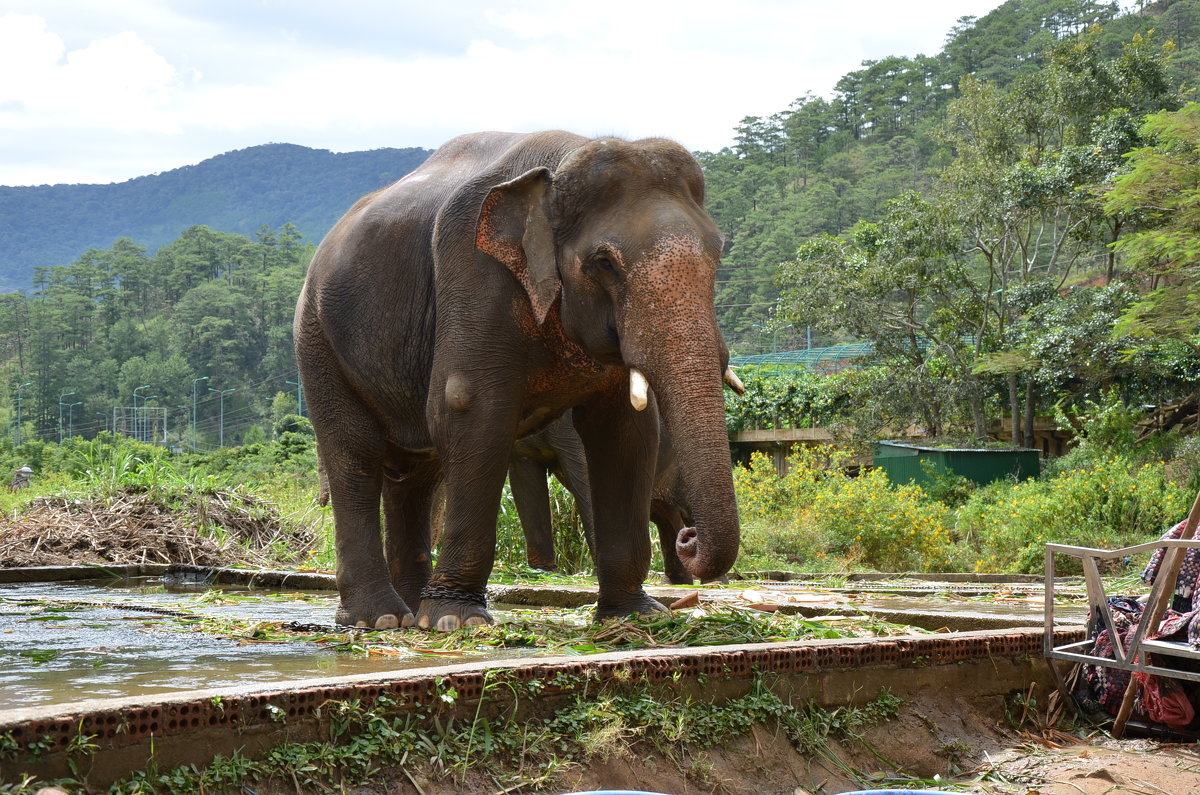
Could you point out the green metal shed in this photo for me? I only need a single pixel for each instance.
(904, 462)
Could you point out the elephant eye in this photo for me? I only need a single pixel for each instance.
(604, 261)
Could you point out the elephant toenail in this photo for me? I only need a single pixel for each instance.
(474, 621)
(409, 620)
(361, 624)
(423, 622)
(447, 623)
(387, 621)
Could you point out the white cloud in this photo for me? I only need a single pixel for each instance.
(118, 82)
(138, 86)
(27, 52)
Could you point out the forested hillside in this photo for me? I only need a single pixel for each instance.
(238, 191)
(203, 324)
(820, 165)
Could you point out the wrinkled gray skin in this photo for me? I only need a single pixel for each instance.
(557, 449)
(509, 278)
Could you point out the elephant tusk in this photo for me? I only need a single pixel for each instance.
(638, 385)
(734, 382)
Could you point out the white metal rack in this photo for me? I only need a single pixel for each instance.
(1133, 657)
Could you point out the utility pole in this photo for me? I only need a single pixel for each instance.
(60, 408)
(194, 382)
(222, 393)
(19, 420)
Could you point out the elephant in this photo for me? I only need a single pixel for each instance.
(509, 278)
(558, 449)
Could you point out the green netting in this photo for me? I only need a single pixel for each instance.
(829, 360)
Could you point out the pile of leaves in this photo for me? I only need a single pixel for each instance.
(210, 528)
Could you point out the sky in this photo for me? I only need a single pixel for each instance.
(96, 92)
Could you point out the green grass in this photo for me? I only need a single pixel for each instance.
(815, 519)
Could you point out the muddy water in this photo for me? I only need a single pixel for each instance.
(55, 649)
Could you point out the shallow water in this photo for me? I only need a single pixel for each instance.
(52, 650)
(55, 650)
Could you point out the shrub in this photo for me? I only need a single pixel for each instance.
(1115, 502)
(790, 397)
(820, 516)
(871, 522)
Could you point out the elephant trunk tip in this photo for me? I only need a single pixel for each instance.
(691, 555)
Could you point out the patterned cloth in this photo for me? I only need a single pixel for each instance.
(1108, 684)
(1187, 596)
(1180, 622)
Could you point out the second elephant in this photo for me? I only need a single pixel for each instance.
(558, 449)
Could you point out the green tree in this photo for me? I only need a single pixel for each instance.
(1160, 195)
(951, 288)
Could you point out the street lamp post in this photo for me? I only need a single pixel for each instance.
(60, 408)
(19, 420)
(70, 418)
(222, 393)
(194, 382)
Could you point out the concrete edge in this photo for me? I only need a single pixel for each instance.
(74, 573)
(320, 582)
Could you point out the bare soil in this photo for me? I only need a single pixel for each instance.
(214, 529)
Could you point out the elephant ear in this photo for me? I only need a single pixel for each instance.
(514, 227)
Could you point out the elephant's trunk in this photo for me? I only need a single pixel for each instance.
(689, 389)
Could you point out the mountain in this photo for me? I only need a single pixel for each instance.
(237, 192)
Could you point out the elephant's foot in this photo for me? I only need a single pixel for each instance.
(677, 578)
(631, 603)
(382, 612)
(447, 609)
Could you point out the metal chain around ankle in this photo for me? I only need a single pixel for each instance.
(448, 594)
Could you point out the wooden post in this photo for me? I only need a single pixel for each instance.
(1168, 572)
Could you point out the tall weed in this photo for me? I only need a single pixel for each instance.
(1114, 502)
(570, 545)
(819, 516)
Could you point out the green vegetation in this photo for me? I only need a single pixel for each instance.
(128, 342)
(823, 515)
(560, 631)
(1003, 229)
(1109, 492)
(382, 739)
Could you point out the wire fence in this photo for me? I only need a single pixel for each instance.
(830, 359)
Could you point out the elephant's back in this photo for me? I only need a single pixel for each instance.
(368, 308)
(369, 300)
